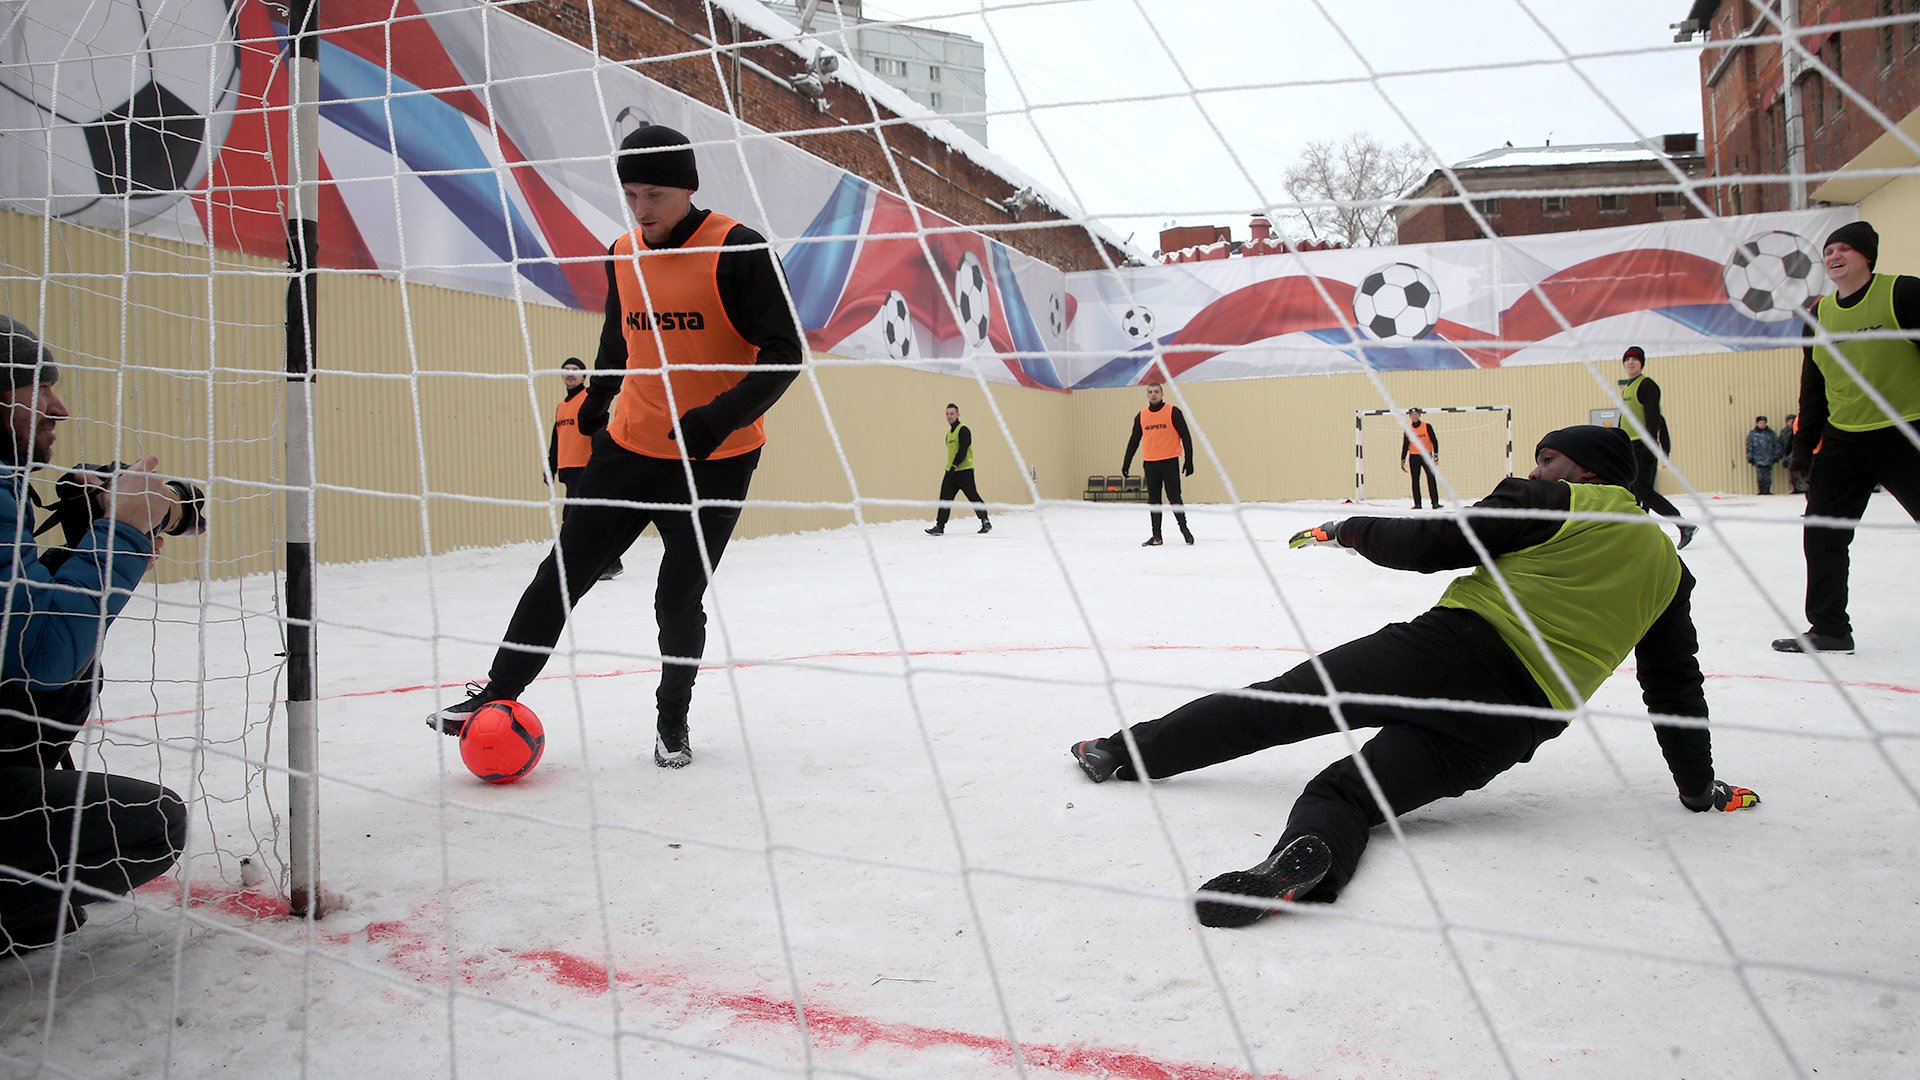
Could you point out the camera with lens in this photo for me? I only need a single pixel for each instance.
(80, 499)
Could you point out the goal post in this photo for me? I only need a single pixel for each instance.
(1475, 451)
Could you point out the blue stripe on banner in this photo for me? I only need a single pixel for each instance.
(1026, 336)
(1425, 355)
(1727, 324)
(430, 136)
(818, 268)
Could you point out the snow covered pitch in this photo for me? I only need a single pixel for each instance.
(883, 863)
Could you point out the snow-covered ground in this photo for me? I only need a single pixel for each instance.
(884, 863)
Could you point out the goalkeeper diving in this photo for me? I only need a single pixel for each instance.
(1591, 572)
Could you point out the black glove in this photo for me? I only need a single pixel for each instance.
(698, 438)
(1721, 796)
(1124, 473)
(592, 418)
(1189, 469)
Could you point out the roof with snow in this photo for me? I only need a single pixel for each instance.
(1507, 157)
(776, 29)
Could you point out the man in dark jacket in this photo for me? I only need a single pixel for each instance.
(1590, 589)
(108, 835)
(958, 477)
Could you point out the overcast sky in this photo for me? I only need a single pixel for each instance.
(1153, 111)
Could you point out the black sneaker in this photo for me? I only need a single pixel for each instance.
(612, 572)
(1186, 535)
(986, 526)
(1098, 762)
(1686, 535)
(38, 932)
(937, 530)
(1288, 874)
(1841, 644)
(1152, 541)
(671, 750)
(452, 720)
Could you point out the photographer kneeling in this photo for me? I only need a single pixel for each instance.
(106, 834)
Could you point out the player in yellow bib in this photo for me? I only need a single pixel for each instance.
(1592, 574)
(1866, 336)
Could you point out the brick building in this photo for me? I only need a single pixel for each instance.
(1743, 75)
(668, 41)
(1524, 190)
(1206, 243)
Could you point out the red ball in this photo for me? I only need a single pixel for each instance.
(502, 742)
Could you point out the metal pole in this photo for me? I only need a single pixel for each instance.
(1790, 100)
(303, 256)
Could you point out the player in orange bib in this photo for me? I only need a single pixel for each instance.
(1160, 435)
(568, 449)
(687, 289)
(1422, 455)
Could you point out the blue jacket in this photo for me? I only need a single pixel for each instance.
(1763, 447)
(52, 622)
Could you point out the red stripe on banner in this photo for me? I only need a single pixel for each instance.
(1615, 284)
(1262, 310)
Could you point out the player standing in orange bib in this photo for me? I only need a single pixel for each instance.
(568, 450)
(699, 342)
(1160, 436)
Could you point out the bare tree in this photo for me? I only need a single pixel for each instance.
(1346, 191)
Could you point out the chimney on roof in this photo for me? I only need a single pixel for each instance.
(1261, 228)
(1685, 142)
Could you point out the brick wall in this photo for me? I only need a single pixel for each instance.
(1527, 214)
(1745, 114)
(670, 47)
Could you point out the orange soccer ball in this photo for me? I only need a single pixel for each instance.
(502, 742)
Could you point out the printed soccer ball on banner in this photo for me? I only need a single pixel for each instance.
(140, 106)
(1397, 302)
(1138, 323)
(1056, 314)
(970, 300)
(1773, 275)
(502, 742)
(896, 326)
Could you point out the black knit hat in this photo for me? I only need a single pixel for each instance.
(1634, 352)
(1859, 236)
(23, 359)
(659, 156)
(1604, 451)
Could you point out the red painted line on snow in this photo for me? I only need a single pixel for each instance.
(417, 948)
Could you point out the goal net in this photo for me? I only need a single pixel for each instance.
(882, 859)
(1473, 452)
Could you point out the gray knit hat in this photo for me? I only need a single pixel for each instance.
(23, 359)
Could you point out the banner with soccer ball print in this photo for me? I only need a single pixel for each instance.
(168, 118)
(1705, 285)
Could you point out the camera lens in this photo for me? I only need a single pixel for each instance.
(189, 514)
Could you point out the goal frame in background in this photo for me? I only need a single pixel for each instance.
(1360, 435)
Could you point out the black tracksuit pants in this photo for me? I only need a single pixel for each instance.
(1845, 470)
(568, 479)
(1418, 756)
(648, 491)
(1163, 476)
(1416, 464)
(1646, 469)
(129, 832)
(958, 482)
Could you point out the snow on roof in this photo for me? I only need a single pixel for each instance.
(1508, 157)
(775, 28)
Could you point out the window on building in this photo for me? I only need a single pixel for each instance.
(886, 65)
(1554, 204)
(1913, 28)
(1889, 37)
(1664, 199)
(1487, 207)
(1613, 204)
(933, 99)
(1836, 100)
(933, 72)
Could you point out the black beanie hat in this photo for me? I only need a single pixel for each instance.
(23, 359)
(659, 156)
(1859, 236)
(1605, 451)
(1634, 352)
